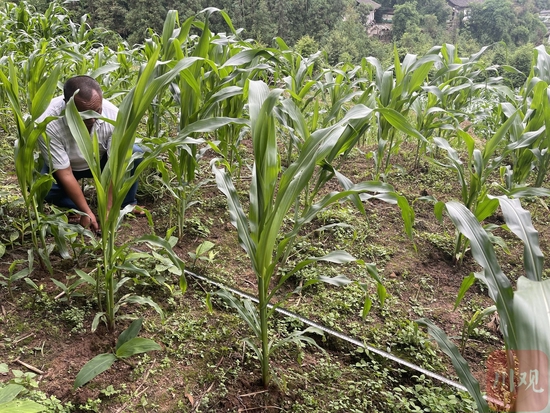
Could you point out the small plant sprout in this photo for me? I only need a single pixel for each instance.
(203, 253)
(128, 345)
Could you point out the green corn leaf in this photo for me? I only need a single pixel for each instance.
(460, 365)
(82, 137)
(339, 280)
(93, 368)
(246, 56)
(532, 314)
(519, 222)
(22, 406)
(168, 29)
(439, 207)
(246, 310)
(209, 125)
(419, 72)
(521, 192)
(486, 208)
(236, 213)
(10, 392)
(43, 97)
(500, 289)
(131, 332)
(137, 299)
(492, 144)
(464, 287)
(336, 257)
(398, 121)
(136, 345)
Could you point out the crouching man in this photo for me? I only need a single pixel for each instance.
(68, 163)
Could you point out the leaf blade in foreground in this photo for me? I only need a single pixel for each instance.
(459, 363)
(94, 367)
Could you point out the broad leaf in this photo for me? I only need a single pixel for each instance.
(500, 289)
(131, 332)
(519, 222)
(10, 392)
(136, 345)
(94, 367)
(22, 406)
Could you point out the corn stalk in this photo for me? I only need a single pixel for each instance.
(116, 177)
(272, 194)
(32, 184)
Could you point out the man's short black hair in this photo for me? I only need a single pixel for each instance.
(85, 85)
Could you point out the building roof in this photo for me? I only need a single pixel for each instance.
(463, 3)
(371, 3)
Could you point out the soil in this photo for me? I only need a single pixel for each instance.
(204, 365)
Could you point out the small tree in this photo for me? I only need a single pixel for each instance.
(405, 17)
(306, 46)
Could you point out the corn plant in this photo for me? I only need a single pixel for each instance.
(298, 74)
(395, 89)
(32, 184)
(113, 182)
(194, 94)
(531, 140)
(523, 313)
(127, 345)
(474, 175)
(13, 275)
(272, 194)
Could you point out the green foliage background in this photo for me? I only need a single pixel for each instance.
(337, 27)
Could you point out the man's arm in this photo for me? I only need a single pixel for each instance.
(66, 179)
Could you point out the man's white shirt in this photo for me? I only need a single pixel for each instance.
(63, 147)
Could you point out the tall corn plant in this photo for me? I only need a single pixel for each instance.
(32, 184)
(191, 98)
(115, 179)
(474, 174)
(272, 194)
(532, 141)
(523, 313)
(181, 159)
(396, 89)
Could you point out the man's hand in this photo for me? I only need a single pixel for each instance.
(89, 221)
(66, 178)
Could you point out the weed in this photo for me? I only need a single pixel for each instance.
(110, 391)
(91, 405)
(75, 317)
(195, 226)
(442, 241)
